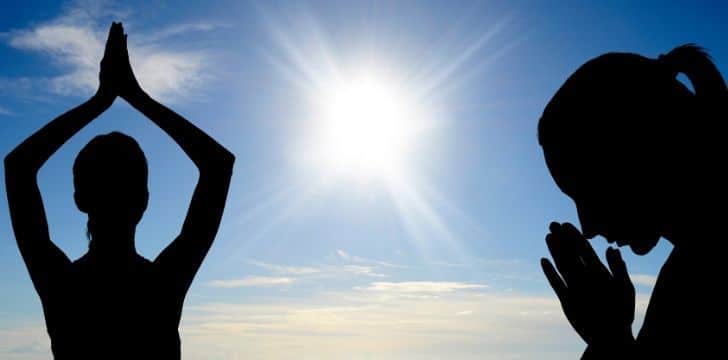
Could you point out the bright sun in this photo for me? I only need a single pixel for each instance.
(365, 127)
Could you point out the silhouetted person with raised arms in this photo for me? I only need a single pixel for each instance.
(112, 303)
(642, 157)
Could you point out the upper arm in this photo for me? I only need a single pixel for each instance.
(42, 258)
(183, 257)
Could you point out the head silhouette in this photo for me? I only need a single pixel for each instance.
(110, 181)
(628, 142)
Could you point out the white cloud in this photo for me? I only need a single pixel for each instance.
(251, 281)
(6, 112)
(363, 325)
(423, 286)
(75, 42)
(179, 29)
(24, 341)
(321, 271)
(362, 270)
(360, 325)
(288, 270)
(358, 259)
(343, 254)
(353, 265)
(643, 279)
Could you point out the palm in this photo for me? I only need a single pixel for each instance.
(116, 74)
(598, 304)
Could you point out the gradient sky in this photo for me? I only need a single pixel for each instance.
(313, 267)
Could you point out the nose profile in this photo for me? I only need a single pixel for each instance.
(586, 219)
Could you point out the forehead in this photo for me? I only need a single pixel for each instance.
(579, 173)
(559, 172)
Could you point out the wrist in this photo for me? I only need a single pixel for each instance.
(104, 96)
(615, 344)
(134, 96)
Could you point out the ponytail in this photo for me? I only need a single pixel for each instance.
(694, 62)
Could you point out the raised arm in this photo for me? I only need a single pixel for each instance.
(41, 256)
(183, 257)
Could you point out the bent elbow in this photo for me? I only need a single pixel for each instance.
(227, 161)
(12, 162)
(18, 167)
(219, 165)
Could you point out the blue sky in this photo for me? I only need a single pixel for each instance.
(313, 265)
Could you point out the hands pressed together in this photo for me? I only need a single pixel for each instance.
(598, 303)
(116, 77)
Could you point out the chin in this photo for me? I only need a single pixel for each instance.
(643, 246)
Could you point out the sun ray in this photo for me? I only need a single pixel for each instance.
(364, 121)
(275, 208)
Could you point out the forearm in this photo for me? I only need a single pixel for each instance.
(32, 153)
(206, 153)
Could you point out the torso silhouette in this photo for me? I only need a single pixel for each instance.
(684, 315)
(96, 309)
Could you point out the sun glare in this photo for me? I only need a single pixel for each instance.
(364, 127)
(376, 121)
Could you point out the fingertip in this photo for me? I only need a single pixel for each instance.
(554, 226)
(549, 241)
(547, 266)
(569, 227)
(610, 254)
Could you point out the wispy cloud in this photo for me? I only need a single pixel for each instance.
(361, 325)
(423, 286)
(343, 254)
(74, 41)
(251, 281)
(6, 112)
(179, 29)
(288, 270)
(26, 341)
(364, 325)
(358, 259)
(347, 265)
(319, 271)
(362, 270)
(644, 279)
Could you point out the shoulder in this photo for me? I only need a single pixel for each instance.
(142, 261)
(81, 262)
(143, 265)
(680, 300)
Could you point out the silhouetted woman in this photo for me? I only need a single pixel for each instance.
(112, 303)
(641, 155)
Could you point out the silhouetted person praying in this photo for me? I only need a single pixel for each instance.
(642, 156)
(113, 303)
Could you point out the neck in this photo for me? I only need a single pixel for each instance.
(117, 242)
(695, 231)
(690, 219)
